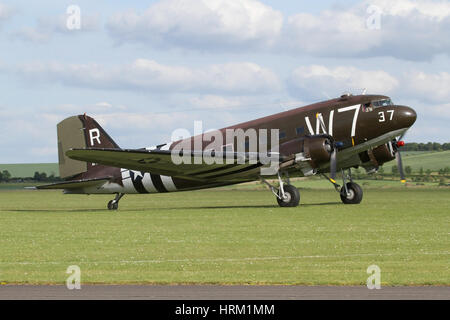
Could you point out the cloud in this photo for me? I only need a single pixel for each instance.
(428, 86)
(30, 131)
(149, 76)
(48, 27)
(5, 12)
(441, 110)
(413, 30)
(331, 33)
(58, 113)
(200, 24)
(214, 102)
(316, 81)
(31, 34)
(438, 10)
(58, 24)
(432, 114)
(133, 121)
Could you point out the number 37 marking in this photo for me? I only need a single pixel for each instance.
(382, 117)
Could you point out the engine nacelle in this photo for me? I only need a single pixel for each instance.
(308, 153)
(318, 149)
(384, 153)
(373, 159)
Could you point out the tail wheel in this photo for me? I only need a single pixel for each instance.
(353, 195)
(291, 196)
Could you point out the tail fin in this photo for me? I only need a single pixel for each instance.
(79, 132)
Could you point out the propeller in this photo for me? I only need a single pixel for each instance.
(332, 148)
(397, 144)
(333, 163)
(398, 157)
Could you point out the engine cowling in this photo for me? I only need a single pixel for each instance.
(384, 153)
(374, 158)
(318, 148)
(310, 152)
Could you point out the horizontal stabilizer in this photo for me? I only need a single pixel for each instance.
(75, 184)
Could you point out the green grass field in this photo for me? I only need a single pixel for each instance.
(228, 236)
(422, 159)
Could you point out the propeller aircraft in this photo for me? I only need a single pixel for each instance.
(324, 138)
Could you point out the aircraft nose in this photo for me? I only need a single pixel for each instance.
(407, 116)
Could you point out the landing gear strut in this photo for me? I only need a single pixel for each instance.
(287, 195)
(114, 204)
(351, 193)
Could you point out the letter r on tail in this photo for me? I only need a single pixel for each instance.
(94, 134)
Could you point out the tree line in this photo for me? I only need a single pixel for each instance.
(429, 146)
(5, 176)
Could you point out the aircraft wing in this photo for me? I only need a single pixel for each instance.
(198, 166)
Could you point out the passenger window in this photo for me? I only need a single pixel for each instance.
(300, 130)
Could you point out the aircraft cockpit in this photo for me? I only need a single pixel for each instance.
(370, 106)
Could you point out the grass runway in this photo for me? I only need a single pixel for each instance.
(227, 236)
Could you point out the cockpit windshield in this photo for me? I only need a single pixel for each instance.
(370, 106)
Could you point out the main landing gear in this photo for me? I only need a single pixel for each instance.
(114, 204)
(287, 195)
(351, 193)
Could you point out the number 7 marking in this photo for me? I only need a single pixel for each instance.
(355, 116)
(392, 114)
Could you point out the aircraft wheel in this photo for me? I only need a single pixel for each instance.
(354, 195)
(292, 196)
(113, 205)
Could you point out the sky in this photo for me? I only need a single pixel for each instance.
(143, 69)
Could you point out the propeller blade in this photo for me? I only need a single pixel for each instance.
(398, 157)
(333, 163)
(333, 155)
